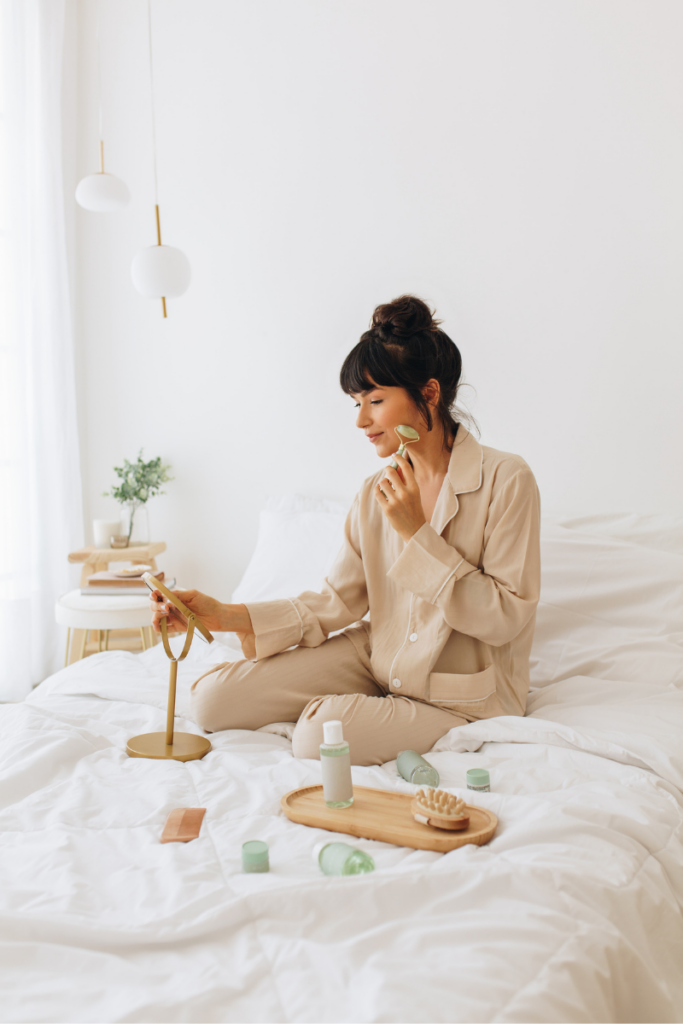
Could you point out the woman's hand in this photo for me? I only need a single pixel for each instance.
(216, 617)
(399, 498)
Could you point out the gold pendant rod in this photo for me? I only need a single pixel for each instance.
(163, 300)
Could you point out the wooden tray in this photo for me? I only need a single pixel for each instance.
(384, 815)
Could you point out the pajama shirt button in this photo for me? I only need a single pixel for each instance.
(396, 683)
(412, 637)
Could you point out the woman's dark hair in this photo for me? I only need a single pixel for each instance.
(405, 348)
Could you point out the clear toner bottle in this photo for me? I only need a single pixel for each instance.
(335, 762)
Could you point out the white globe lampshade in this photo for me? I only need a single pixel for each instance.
(102, 193)
(161, 271)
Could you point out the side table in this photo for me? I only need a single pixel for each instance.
(97, 560)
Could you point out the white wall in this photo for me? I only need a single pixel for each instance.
(517, 163)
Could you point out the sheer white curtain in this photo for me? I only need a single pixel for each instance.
(40, 488)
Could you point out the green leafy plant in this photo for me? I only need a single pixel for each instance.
(140, 481)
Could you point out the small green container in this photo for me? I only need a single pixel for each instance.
(255, 856)
(478, 779)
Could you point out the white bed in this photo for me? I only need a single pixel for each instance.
(571, 913)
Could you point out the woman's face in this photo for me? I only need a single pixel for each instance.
(382, 409)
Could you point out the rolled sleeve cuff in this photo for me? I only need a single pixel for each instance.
(427, 564)
(277, 625)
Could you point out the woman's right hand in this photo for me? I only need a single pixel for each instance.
(204, 607)
(215, 616)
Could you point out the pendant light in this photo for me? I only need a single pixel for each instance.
(160, 271)
(101, 192)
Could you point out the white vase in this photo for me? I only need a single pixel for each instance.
(140, 532)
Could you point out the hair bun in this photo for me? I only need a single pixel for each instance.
(404, 317)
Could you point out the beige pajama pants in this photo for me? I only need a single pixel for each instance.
(312, 685)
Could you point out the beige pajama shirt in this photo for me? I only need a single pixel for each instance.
(452, 615)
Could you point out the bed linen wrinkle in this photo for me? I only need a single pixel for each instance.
(608, 926)
(254, 918)
(477, 934)
(521, 1009)
(102, 998)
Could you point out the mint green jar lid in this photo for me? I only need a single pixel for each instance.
(478, 777)
(255, 856)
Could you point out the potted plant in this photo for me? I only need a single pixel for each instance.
(139, 481)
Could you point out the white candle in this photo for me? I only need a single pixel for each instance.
(103, 529)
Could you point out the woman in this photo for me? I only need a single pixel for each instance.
(442, 551)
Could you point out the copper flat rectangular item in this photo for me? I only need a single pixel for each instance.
(183, 824)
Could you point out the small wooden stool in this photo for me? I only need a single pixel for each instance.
(101, 614)
(98, 559)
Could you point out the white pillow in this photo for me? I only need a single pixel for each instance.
(609, 608)
(298, 541)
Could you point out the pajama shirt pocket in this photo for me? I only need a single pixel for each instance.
(465, 692)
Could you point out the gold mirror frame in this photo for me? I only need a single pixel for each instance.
(171, 745)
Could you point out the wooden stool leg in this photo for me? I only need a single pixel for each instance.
(150, 636)
(77, 645)
(99, 640)
(66, 653)
(106, 639)
(143, 637)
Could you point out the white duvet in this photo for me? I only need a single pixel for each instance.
(571, 913)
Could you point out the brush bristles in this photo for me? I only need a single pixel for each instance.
(438, 801)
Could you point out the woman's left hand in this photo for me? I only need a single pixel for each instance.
(399, 498)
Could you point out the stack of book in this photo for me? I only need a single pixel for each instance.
(108, 584)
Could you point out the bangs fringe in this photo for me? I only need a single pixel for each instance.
(369, 365)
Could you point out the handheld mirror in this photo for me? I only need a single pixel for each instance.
(172, 745)
(181, 610)
(406, 435)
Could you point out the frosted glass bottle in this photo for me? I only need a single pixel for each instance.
(342, 859)
(335, 763)
(413, 768)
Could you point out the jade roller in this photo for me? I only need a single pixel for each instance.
(406, 435)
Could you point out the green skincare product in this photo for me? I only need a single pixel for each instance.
(478, 779)
(335, 762)
(406, 435)
(342, 859)
(255, 857)
(413, 768)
